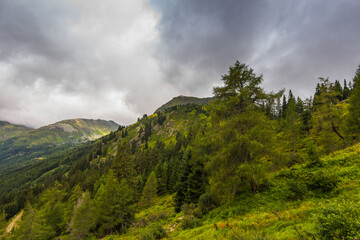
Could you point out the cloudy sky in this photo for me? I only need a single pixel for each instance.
(119, 59)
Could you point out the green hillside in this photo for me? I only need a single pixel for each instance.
(8, 130)
(29, 155)
(183, 100)
(248, 165)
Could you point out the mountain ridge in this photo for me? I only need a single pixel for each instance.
(183, 100)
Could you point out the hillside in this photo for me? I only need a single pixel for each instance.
(241, 167)
(183, 100)
(68, 131)
(25, 158)
(8, 130)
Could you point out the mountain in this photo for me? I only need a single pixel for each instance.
(183, 100)
(72, 130)
(32, 152)
(8, 130)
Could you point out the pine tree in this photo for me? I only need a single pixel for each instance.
(196, 182)
(33, 226)
(124, 166)
(113, 205)
(2, 221)
(149, 191)
(161, 174)
(83, 217)
(353, 119)
(182, 189)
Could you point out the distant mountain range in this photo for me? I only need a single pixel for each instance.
(33, 152)
(72, 130)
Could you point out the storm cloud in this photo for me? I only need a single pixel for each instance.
(291, 42)
(118, 59)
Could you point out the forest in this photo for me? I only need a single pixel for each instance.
(249, 164)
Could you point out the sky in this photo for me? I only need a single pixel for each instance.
(119, 59)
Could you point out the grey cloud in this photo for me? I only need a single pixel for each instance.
(62, 59)
(291, 42)
(118, 59)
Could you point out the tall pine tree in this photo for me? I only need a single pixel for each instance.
(353, 120)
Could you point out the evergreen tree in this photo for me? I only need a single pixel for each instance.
(149, 191)
(113, 205)
(83, 217)
(161, 175)
(33, 226)
(196, 182)
(326, 118)
(2, 221)
(123, 165)
(346, 91)
(353, 119)
(182, 187)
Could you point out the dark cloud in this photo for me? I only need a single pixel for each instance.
(118, 59)
(291, 42)
(78, 58)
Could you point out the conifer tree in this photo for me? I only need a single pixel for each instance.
(196, 182)
(149, 192)
(2, 221)
(353, 120)
(113, 205)
(83, 217)
(161, 175)
(33, 226)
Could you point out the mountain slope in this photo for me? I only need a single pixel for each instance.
(68, 131)
(29, 155)
(183, 100)
(8, 130)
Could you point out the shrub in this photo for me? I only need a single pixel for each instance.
(296, 189)
(322, 181)
(338, 220)
(207, 202)
(155, 232)
(189, 222)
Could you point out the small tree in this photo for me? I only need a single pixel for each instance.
(149, 191)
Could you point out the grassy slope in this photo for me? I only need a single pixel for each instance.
(272, 214)
(8, 130)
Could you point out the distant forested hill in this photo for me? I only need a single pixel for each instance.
(30, 153)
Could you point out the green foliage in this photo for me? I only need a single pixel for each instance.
(2, 221)
(83, 218)
(149, 192)
(338, 220)
(113, 205)
(353, 119)
(33, 226)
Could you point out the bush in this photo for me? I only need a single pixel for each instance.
(207, 202)
(155, 232)
(339, 220)
(296, 190)
(189, 222)
(322, 181)
(158, 232)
